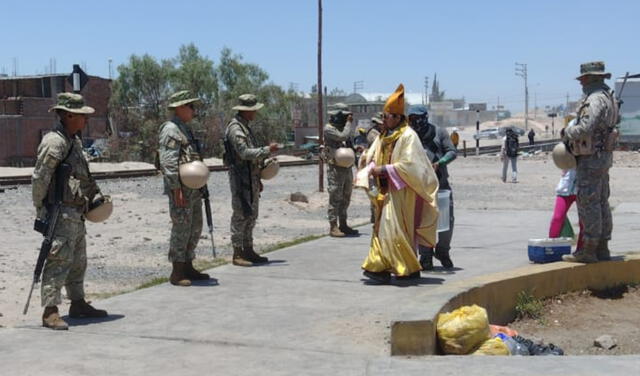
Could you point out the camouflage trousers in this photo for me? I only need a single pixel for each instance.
(243, 222)
(339, 185)
(186, 226)
(593, 202)
(67, 261)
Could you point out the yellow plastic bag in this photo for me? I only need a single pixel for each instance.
(494, 346)
(463, 330)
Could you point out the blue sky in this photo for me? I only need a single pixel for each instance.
(472, 45)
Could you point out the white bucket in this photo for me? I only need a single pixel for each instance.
(444, 197)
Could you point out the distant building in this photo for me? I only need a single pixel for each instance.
(453, 113)
(24, 116)
(630, 110)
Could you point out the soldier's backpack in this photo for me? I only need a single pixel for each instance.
(512, 145)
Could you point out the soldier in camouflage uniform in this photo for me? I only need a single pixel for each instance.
(67, 261)
(337, 134)
(177, 145)
(245, 160)
(592, 140)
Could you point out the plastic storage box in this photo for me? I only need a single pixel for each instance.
(444, 199)
(548, 250)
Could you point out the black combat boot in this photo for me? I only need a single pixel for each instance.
(51, 319)
(344, 227)
(444, 258)
(82, 309)
(426, 258)
(254, 257)
(178, 277)
(191, 273)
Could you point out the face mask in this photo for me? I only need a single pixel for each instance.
(419, 122)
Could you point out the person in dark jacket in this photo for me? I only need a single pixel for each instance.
(531, 135)
(440, 151)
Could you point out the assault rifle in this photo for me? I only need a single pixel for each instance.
(47, 226)
(204, 191)
(624, 82)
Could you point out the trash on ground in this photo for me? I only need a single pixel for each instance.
(463, 330)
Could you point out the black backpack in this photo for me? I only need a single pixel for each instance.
(512, 145)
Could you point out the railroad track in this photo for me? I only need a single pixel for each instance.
(547, 145)
(122, 174)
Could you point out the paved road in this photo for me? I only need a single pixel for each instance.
(307, 313)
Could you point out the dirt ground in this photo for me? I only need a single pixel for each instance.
(131, 247)
(573, 321)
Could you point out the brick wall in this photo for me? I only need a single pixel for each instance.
(21, 130)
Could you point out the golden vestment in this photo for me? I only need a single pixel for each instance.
(406, 207)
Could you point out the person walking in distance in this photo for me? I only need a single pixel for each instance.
(509, 154)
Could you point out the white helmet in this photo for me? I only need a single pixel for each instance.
(270, 169)
(345, 157)
(194, 174)
(562, 158)
(100, 209)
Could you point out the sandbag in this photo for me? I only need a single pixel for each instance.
(463, 330)
(493, 346)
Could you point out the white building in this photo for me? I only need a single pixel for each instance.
(630, 110)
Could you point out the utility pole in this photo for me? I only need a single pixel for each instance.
(477, 132)
(521, 70)
(426, 90)
(357, 85)
(320, 107)
(566, 109)
(110, 71)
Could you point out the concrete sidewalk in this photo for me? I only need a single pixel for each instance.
(307, 313)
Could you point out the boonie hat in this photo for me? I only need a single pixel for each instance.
(72, 102)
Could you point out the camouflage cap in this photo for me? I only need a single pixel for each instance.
(593, 68)
(181, 98)
(72, 102)
(248, 102)
(339, 108)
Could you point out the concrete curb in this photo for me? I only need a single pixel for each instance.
(414, 333)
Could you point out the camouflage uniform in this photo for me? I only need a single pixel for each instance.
(597, 117)
(67, 261)
(245, 162)
(178, 146)
(339, 179)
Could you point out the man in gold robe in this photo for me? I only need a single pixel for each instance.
(403, 189)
